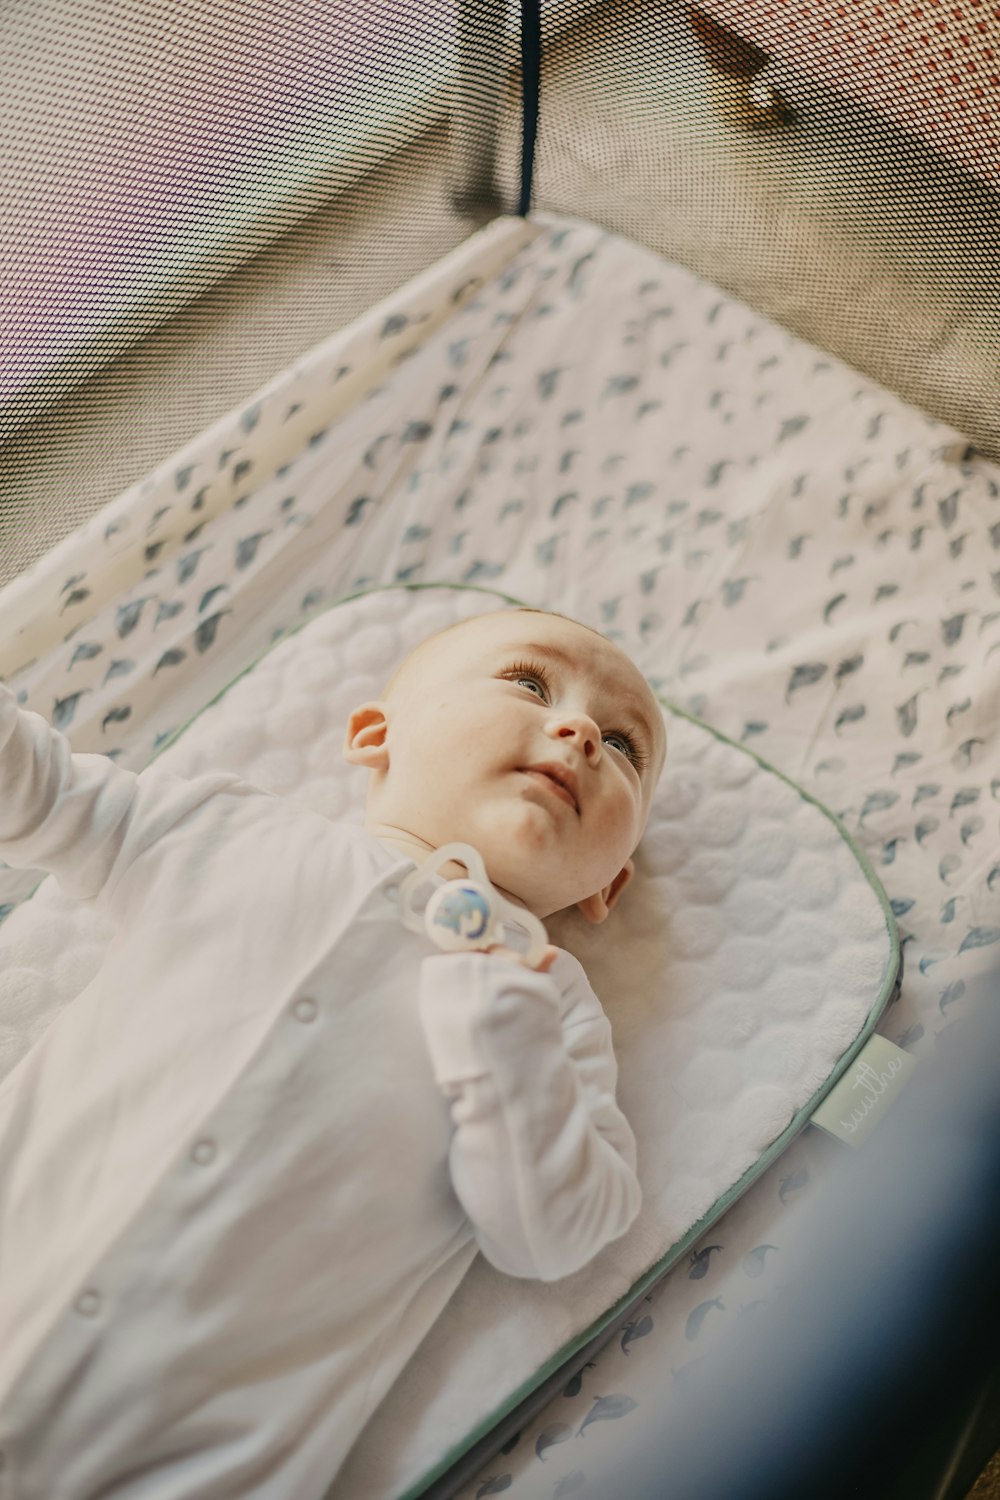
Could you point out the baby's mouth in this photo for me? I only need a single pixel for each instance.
(549, 780)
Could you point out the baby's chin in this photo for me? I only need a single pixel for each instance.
(527, 866)
(530, 882)
(531, 852)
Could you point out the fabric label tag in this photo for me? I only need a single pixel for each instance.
(854, 1106)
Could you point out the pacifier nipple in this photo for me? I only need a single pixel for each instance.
(464, 916)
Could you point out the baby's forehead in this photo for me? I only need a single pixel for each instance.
(577, 646)
(570, 644)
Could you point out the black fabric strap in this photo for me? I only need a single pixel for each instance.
(531, 58)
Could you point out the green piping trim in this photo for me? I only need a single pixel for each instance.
(771, 1153)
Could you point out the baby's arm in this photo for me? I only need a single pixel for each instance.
(542, 1159)
(75, 814)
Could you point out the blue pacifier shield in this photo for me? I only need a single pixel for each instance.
(459, 915)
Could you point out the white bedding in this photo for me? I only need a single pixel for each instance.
(753, 953)
(784, 548)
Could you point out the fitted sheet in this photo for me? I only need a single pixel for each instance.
(754, 954)
(784, 548)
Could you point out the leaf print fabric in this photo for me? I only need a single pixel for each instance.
(784, 548)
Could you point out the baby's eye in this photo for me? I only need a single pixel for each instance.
(523, 672)
(628, 748)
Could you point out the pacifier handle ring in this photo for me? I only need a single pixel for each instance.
(461, 854)
(502, 911)
(426, 873)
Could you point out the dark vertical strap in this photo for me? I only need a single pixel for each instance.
(531, 69)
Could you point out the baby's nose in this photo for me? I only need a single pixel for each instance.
(580, 727)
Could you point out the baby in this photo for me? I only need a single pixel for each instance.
(245, 1169)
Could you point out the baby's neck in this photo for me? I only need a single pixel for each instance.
(419, 851)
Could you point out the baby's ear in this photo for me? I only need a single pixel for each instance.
(364, 742)
(595, 908)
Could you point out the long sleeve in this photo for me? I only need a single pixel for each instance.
(542, 1159)
(77, 815)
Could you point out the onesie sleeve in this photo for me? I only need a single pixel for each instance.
(542, 1159)
(77, 815)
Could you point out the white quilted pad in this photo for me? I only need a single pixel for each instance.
(751, 953)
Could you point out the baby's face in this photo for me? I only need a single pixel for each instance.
(480, 727)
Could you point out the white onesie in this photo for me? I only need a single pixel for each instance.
(244, 1170)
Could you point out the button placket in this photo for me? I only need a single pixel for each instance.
(88, 1304)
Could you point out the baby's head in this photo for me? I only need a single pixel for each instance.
(457, 744)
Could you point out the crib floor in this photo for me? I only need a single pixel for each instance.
(729, 210)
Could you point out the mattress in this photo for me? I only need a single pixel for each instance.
(753, 958)
(790, 553)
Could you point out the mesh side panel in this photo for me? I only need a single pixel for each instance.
(195, 191)
(764, 173)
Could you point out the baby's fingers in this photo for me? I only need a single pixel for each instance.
(547, 959)
(543, 965)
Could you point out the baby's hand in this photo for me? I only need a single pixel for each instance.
(543, 965)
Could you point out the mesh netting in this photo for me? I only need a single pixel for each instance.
(194, 193)
(819, 206)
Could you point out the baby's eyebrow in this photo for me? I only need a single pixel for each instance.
(557, 654)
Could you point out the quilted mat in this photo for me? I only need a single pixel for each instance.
(754, 953)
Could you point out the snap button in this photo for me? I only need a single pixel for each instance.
(305, 1009)
(88, 1304)
(203, 1152)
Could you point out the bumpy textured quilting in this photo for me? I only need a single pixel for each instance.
(747, 956)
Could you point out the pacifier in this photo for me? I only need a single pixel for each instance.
(463, 916)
